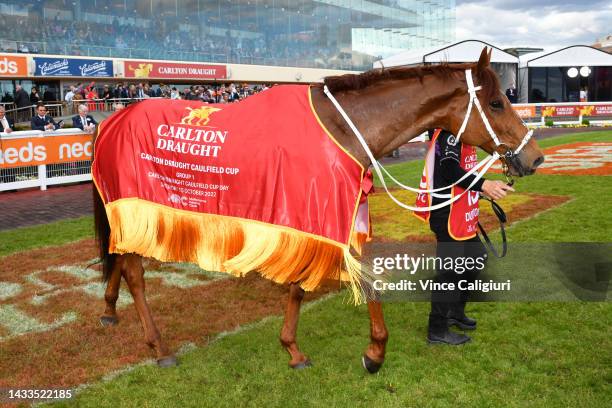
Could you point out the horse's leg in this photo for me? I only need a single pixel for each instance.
(375, 354)
(134, 275)
(109, 318)
(288, 332)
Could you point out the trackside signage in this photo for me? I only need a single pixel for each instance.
(13, 66)
(173, 70)
(73, 67)
(33, 151)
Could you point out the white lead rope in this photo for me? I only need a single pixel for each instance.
(486, 164)
(434, 190)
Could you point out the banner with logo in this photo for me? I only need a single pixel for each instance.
(173, 70)
(36, 150)
(73, 67)
(560, 110)
(524, 111)
(596, 110)
(13, 66)
(577, 110)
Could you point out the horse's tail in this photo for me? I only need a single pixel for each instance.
(103, 231)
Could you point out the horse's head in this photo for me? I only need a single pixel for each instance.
(507, 134)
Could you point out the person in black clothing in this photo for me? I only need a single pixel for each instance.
(49, 96)
(7, 98)
(42, 121)
(448, 307)
(21, 97)
(84, 120)
(511, 94)
(34, 96)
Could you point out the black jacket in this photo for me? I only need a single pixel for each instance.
(77, 123)
(39, 124)
(447, 170)
(10, 123)
(22, 99)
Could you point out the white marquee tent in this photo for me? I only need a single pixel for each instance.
(505, 64)
(463, 51)
(573, 56)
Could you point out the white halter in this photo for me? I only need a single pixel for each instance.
(484, 165)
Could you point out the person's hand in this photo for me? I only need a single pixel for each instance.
(8, 130)
(495, 189)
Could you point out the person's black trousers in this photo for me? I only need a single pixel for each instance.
(451, 303)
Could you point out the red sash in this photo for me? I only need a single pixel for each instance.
(463, 218)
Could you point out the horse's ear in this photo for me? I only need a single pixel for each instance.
(483, 61)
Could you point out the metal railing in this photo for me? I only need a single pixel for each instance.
(59, 109)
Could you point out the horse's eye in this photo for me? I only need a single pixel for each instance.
(497, 104)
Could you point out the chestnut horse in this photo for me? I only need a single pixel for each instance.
(389, 107)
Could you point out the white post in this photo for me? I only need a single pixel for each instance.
(42, 176)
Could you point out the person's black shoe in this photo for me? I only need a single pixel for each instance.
(448, 337)
(464, 323)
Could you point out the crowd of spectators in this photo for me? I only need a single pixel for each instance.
(221, 93)
(118, 38)
(224, 93)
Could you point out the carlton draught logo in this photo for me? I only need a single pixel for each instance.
(143, 70)
(192, 135)
(587, 110)
(549, 111)
(199, 116)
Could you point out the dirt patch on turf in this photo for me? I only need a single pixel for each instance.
(519, 206)
(50, 303)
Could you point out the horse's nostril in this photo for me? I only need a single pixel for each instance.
(538, 161)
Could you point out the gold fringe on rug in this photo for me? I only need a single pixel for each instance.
(233, 245)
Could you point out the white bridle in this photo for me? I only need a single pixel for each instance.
(481, 167)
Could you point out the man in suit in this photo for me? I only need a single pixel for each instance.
(42, 121)
(6, 124)
(22, 99)
(84, 121)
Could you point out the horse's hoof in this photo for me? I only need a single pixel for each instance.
(109, 320)
(302, 365)
(370, 365)
(166, 362)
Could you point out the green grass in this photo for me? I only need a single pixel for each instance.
(537, 355)
(523, 354)
(55, 233)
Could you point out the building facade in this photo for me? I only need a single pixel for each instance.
(330, 34)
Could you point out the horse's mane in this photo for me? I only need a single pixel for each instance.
(487, 78)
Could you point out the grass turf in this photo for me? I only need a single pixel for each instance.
(524, 354)
(55, 233)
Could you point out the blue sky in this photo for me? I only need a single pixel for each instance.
(536, 23)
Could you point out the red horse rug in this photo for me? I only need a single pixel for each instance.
(257, 185)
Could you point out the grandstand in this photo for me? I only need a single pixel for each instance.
(333, 34)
